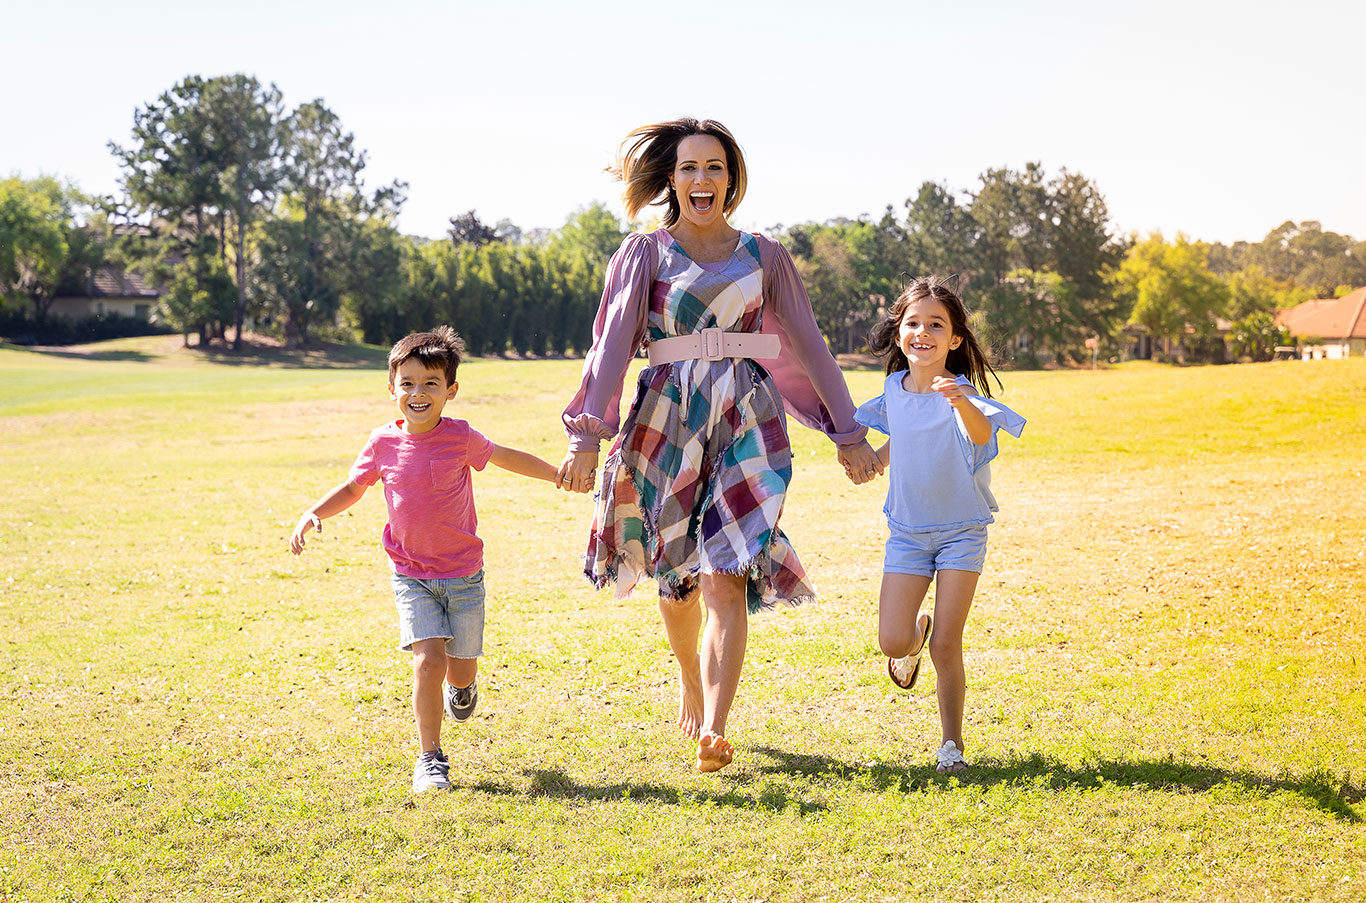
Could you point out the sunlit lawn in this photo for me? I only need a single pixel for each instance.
(1165, 662)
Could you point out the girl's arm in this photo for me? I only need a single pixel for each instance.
(337, 500)
(884, 454)
(524, 463)
(974, 421)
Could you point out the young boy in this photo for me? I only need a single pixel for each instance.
(424, 461)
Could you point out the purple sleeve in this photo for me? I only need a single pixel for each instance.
(594, 413)
(808, 378)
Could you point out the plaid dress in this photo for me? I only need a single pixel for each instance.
(696, 479)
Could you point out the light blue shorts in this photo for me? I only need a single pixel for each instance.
(452, 609)
(924, 553)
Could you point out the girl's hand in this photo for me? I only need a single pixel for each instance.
(309, 521)
(577, 472)
(860, 462)
(950, 389)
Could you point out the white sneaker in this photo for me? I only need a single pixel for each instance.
(431, 771)
(949, 758)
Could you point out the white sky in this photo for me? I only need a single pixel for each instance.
(1217, 119)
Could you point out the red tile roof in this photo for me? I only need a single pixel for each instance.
(1340, 318)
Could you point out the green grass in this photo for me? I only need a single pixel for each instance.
(1166, 660)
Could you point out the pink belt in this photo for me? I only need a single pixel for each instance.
(713, 344)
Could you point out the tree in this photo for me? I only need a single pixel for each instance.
(468, 229)
(244, 119)
(1252, 291)
(308, 249)
(1310, 257)
(941, 235)
(201, 152)
(43, 244)
(1170, 288)
(1036, 311)
(1257, 335)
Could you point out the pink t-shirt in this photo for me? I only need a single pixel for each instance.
(430, 534)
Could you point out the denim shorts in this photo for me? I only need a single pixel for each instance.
(924, 553)
(452, 609)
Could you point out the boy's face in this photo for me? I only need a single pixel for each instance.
(421, 393)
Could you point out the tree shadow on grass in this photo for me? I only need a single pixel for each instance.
(555, 783)
(1334, 795)
(137, 356)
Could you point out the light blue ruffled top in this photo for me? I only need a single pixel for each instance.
(939, 479)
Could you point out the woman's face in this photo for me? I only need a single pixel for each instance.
(700, 180)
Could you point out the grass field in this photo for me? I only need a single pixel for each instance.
(1166, 660)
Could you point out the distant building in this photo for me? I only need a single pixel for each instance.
(107, 290)
(1328, 328)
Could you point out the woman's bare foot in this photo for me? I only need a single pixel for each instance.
(714, 752)
(690, 702)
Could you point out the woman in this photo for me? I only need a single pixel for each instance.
(694, 485)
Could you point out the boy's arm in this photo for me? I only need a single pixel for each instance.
(524, 463)
(337, 500)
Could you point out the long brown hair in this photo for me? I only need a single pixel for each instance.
(647, 156)
(968, 359)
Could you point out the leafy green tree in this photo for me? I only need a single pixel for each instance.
(172, 181)
(1257, 335)
(1170, 287)
(42, 244)
(1031, 313)
(309, 247)
(1252, 291)
(468, 229)
(941, 236)
(1309, 256)
(244, 121)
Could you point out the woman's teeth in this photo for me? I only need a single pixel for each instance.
(701, 200)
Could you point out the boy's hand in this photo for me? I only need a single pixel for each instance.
(309, 521)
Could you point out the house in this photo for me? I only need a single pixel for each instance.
(106, 291)
(1328, 327)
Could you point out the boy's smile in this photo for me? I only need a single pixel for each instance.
(421, 393)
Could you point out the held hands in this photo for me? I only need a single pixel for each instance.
(578, 471)
(861, 463)
(309, 521)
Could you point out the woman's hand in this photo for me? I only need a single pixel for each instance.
(860, 462)
(578, 471)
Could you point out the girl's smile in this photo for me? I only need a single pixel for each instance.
(926, 334)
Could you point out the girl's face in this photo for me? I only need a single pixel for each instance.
(700, 180)
(926, 334)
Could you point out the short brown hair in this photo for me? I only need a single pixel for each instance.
(647, 156)
(440, 349)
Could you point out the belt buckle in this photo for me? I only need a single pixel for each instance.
(711, 346)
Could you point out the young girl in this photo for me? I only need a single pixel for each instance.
(942, 437)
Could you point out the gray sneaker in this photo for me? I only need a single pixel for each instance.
(431, 771)
(460, 701)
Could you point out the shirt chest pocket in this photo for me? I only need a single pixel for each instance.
(448, 474)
